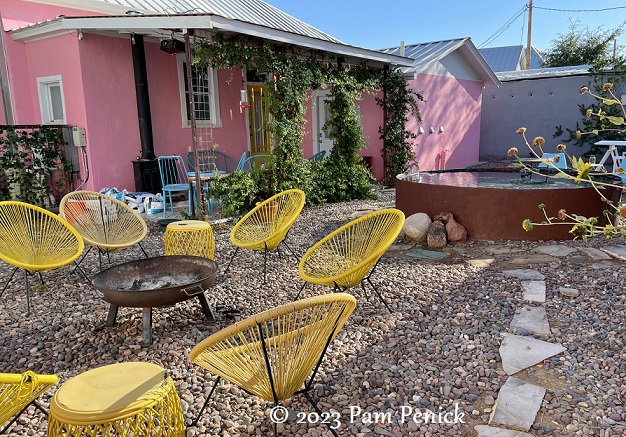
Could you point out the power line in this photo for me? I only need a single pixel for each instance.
(581, 10)
(504, 27)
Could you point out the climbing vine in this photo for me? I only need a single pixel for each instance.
(294, 72)
(399, 103)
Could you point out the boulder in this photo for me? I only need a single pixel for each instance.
(436, 237)
(416, 226)
(456, 232)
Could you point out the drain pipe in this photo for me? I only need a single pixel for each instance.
(5, 87)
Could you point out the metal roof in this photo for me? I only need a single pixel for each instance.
(510, 58)
(542, 73)
(424, 54)
(168, 26)
(249, 11)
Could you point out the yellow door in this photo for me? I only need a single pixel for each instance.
(257, 118)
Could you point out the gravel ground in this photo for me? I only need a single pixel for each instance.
(437, 350)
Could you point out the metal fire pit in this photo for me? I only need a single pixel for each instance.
(156, 282)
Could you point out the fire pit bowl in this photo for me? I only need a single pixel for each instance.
(156, 282)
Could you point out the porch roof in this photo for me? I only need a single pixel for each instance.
(164, 26)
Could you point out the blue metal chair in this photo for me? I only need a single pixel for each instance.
(560, 163)
(173, 179)
(319, 156)
(242, 160)
(255, 161)
(210, 161)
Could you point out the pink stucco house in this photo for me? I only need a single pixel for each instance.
(100, 65)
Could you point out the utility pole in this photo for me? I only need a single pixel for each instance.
(529, 38)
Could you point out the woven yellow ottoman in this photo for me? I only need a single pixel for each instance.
(189, 237)
(125, 399)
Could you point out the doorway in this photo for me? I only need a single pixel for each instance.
(258, 118)
(321, 115)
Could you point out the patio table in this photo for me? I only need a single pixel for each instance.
(612, 152)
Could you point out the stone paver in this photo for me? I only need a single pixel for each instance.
(558, 250)
(519, 352)
(616, 251)
(528, 274)
(531, 319)
(534, 291)
(481, 263)
(594, 253)
(518, 403)
(492, 431)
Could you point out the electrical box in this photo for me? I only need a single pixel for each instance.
(78, 135)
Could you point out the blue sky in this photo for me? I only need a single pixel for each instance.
(378, 24)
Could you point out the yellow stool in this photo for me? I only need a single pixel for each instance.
(189, 237)
(126, 399)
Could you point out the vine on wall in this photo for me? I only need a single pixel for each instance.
(399, 103)
(295, 71)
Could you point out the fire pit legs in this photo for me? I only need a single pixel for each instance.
(206, 307)
(112, 315)
(147, 326)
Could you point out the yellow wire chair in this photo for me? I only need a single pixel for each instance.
(35, 240)
(271, 354)
(18, 391)
(267, 225)
(343, 258)
(104, 222)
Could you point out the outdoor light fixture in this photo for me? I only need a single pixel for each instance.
(441, 129)
(431, 129)
(80, 35)
(172, 46)
(421, 130)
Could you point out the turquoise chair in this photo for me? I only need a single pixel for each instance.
(242, 160)
(255, 161)
(319, 156)
(561, 164)
(173, 179)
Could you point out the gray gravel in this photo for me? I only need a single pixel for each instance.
(437, 350)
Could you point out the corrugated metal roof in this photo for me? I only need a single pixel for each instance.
(541, 73)
(250, 11)
(425, 53)
(510, 58)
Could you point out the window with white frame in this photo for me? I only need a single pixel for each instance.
(205, 95)
(51, 100)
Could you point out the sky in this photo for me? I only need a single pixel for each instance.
(376, 24)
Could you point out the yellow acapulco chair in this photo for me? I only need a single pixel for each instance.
(35, 240)
(343, 258)
(267, 225)
(104, 222)
(276, 354)
(18, 391)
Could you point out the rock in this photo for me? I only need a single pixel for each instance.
(569, 292)
(416, 226)
(456, 232)
(436, 237)
(443, 217)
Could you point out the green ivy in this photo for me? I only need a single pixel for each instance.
(398, 103)
(33, 164)
(294, 72)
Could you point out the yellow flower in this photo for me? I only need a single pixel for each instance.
(583, 90)
(512, 151)
(521, 130)
(583, 173)
(607, 86)
(561, 147)
(622, 211)
(589, 112)
(578, 134)
(539, 141)
(562, 214)
(557, 158)
(619, 171)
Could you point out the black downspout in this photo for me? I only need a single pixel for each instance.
(143, 98)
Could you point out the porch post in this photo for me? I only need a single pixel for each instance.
(143, 98)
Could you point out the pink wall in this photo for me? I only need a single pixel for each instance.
(18, 13)
(454, 104)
